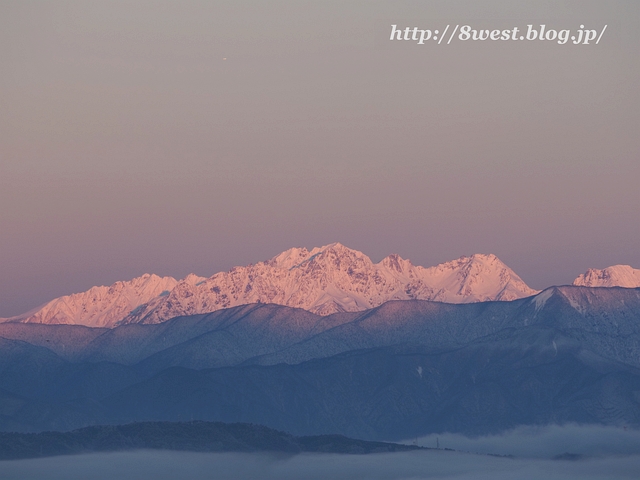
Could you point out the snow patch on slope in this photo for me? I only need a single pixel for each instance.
(541, 299)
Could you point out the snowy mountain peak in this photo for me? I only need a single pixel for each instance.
(289, 258)
(100, 306)
(296, 257)
(614, 276)
(482, 277)
(396, 263)
(193, 279)
(323, 280)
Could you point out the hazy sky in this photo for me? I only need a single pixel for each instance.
(128, 144)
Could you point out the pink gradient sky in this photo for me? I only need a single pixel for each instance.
(128, 145)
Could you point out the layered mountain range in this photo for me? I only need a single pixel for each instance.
(403, 369)
(326, 341)
(325, 280)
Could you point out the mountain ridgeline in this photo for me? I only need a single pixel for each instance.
(399, 370)
(325, 280)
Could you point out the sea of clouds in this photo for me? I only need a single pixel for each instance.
(544, 442)
(609, 453)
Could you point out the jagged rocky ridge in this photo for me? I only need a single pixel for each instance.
(324, 280)
(405, 368)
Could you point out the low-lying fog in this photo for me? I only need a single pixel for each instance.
(162, 465)
(615, 454)
(544, 442)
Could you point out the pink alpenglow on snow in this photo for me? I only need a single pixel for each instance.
(102, 306)
(324, 280)
(615, 276)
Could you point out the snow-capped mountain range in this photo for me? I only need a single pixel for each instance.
(324, 280)
(103, 306)
(615, 276)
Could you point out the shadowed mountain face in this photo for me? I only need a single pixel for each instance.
(406, 368)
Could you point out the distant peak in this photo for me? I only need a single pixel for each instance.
(475, 259)
(193, 279)
(289, 258)
(485, 257)
(338, 247)
(614, 276)
(396, 262)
